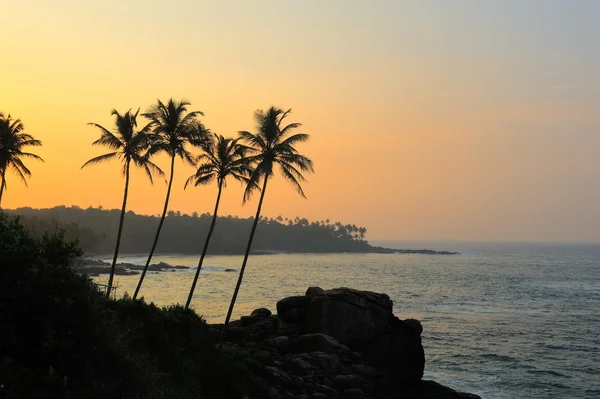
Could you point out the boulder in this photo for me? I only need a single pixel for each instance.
(261, 313)
(399, 350)
(282, 343)
(293, 308)
(349, 315)
(317, 343)
(314, 291)
(353, 393)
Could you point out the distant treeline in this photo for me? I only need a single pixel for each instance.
(95, 228)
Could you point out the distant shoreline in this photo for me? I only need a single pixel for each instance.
(374, 250)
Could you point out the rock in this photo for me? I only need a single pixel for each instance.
(353, 393)
(273, 393)
(347, 381)
(293, 308)
(288, 328)
(282, 344)
(364, 371)
(256, 315)
(314, 291)
(297, 365)
(329, 392)
(278, 376)
(298, 382)
(399, 350)
(317, 343)
(287, 395)
(229, 270)
(415, 325)
(349, 315)
(431, 389)
(323, 361)
(261, 313)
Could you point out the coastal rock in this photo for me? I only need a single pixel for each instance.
(349, 315)
(293, 308)
(318, 343)
(281, 343)
(399, 350)
(338, 344)
(314, 291)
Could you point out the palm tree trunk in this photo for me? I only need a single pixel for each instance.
(2, 185)
(114, 261)
(160, 224)
(210, 231)
(239, 282)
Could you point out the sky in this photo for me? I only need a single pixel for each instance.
(429, 120)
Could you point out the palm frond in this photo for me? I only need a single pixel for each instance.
(100, 159)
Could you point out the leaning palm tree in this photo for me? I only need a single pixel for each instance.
(127, 145)
(12, 142)
(173, 128)
(271, 145)
(221, 158)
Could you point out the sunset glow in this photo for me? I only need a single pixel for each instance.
(440, 120)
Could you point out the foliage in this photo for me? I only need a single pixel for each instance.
(182, 233)
(61, 338)
(273, 145)
(126, 144)
(13, 141)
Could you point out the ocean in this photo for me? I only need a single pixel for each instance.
(502, 320)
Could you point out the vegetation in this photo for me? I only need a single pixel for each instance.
(62, 338)
(173, 129)
(94, 228)
(127, 145)
(13, 142)
(271, 146)
(221, 158)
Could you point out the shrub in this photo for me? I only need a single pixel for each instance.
(61, 338)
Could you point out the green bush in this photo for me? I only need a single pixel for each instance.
(61, 338)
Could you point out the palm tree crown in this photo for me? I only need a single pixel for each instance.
(221, 157)
(173, 128)
(127, 143)
(13, 141)
(272, 145)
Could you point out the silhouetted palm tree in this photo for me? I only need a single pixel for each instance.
(12, 142)
(271, 145)
(173, 128)
(221, 158)
(127, 145)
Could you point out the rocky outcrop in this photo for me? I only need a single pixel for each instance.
(340, 343)
(96, 267)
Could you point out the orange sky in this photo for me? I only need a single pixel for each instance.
(451, 120)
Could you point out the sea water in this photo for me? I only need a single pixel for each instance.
(503, 320)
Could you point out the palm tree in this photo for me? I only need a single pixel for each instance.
(12, 142)
(222, 157)
(271, 145)
(173, 129)
(127, 145)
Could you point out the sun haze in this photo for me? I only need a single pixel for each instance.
(453, 120)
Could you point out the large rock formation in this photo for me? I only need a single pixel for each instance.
(340, 343)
